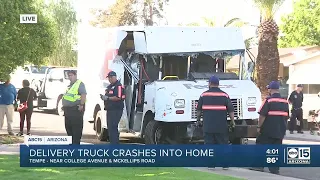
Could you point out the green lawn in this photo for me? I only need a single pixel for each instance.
(10, 170)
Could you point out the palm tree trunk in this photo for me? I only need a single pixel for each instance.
(267, 60)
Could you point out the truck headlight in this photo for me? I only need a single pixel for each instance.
(179, 103)
(251, 101)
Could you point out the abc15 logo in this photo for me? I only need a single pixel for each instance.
(301, 153)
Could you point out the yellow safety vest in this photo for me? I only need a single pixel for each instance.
(72, 93)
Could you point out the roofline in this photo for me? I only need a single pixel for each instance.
(303, 59)
(302, 48)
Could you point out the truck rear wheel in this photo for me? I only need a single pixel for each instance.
(153, 133)
(101, 132)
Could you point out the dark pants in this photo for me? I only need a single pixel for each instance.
(113, 119)
(296, 114)
(25, 115)
(216, 138)
(73, 123)
(262, 139)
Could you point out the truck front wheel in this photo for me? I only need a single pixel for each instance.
(59, 109)
(101, 132)
(153, 133)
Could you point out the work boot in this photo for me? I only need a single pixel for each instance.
(300, 132)
(20, 134)
(257, 169)
(28, 133)
(11, 133)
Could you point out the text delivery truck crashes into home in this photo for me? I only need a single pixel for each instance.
(164, 70)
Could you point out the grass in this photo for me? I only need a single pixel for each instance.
(10, 170)
(7, 139)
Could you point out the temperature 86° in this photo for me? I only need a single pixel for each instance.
(272, 151)
(272, 160)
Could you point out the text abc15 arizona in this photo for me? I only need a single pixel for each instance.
(298, 155)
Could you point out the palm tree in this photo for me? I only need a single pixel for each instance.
(267, 63)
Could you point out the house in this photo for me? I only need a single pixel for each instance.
(287, 57)
(300, 66)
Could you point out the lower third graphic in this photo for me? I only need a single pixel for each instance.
(298, 155)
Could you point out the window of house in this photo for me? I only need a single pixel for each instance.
(314, 88)
(311, 88)
(305, 88)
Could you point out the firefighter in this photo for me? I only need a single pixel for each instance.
(274, 114)
(296, 99)
(114, 105)
(215, 104)
(73, 103)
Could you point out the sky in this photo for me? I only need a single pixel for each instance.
(186, 11)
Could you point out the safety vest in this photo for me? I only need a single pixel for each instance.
(72, 93)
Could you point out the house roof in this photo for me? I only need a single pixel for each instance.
(286, 55)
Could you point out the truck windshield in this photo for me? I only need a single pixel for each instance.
(179, 66)
(39, 70)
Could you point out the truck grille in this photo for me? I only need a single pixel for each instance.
(237, 105)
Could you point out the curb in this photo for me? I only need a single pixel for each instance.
(244, 174)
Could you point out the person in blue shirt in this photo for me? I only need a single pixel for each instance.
(114, 104)
(8, 94)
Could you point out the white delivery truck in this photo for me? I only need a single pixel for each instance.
(164, 71)
(34, 74)
(54, 85)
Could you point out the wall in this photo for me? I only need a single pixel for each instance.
(311, 100)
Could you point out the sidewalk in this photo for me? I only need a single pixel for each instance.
(245, 174)
(306, 136)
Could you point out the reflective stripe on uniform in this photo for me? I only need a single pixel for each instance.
(72, 93)
(213, 107)
(277, 100)
(119, 91)
(214, 94)
(277, 113)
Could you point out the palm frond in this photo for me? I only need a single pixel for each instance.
(209, 22)
(268, 7)
(248, 42)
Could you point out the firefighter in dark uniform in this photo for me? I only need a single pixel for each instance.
(296, 99)
(113, 102)
(73, 105)
(274, 114)
(214, 104)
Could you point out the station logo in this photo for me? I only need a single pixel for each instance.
(298, 155)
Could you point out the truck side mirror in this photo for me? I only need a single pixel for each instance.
(50, 79)
(251, 66)
(61, 80)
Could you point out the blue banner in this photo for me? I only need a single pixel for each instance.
(169, 156)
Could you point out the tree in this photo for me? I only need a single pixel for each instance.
(152, 9)
(64, 17)
(301, 27)
(119, 14)
(130, 12)
(267, 63)
(23, 43)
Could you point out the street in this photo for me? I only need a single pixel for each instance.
(51, 125)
